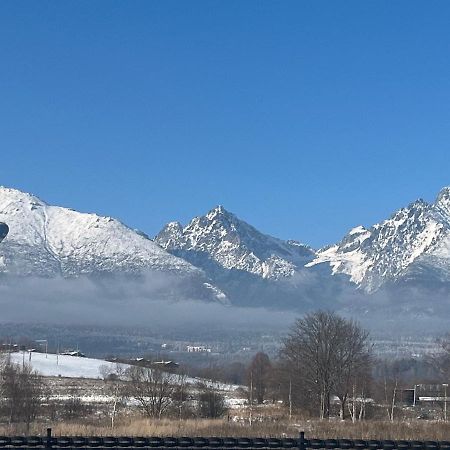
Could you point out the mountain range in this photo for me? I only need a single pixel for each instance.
(221, 258)
(50, 241)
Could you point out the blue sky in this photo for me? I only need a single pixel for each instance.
(303, 118)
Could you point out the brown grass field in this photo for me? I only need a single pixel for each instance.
(137, 426)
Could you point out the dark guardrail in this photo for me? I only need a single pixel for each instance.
(197, 443)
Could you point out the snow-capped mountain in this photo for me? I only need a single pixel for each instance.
(252, 268)
(51, 241)
(222, 258)
(413, 245)
(221, 239)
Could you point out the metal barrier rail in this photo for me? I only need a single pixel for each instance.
(197, 443)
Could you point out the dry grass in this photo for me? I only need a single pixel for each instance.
(409, 430)
(201, 427)
(415, 430)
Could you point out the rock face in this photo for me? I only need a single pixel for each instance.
(410, 249)
(222, 239)
(252, 268)
(4, 229)
(412, 246)
(50, 241)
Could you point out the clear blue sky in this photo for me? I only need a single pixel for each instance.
(303, 118)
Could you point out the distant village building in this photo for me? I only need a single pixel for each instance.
(9, 348)
(435, 393)
(74, 353)
(165, 364)
(198, 349)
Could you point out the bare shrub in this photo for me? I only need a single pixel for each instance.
(258, 377)
(151, 388)
(22, 393)
(211, 404)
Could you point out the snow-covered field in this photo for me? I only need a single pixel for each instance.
(51, 365)
(63, 365)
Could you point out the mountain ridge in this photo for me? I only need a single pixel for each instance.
(388, 249)
(234, 244)
(49, 241)
(230, 258)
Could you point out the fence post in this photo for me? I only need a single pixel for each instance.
(49, 438)
(301, 442)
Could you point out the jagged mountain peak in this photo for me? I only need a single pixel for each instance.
(218, 210)
(360, 229)
(390, 249)
(444, 193)
(419, 205)
(170, 235)
(408, 214)
(223, 219)
(175, 226)
(221, 238)
(442, 203)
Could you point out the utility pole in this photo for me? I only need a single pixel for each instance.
(251, 397)
(290, 399)
(445, 401)
(181, 399)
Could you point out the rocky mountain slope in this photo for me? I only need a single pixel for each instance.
(219, 256)
(413, 245)
(410, 249)
(222, 239)
(252, 268)
(50, 241)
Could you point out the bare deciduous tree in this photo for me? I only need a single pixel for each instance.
(353, 364)
(114, 379)
(323, 354)
(258, 376)
(391, 376)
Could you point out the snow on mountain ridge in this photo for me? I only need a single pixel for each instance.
(47, 240)
(234, 244)
(442, 203)
(389, 249)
